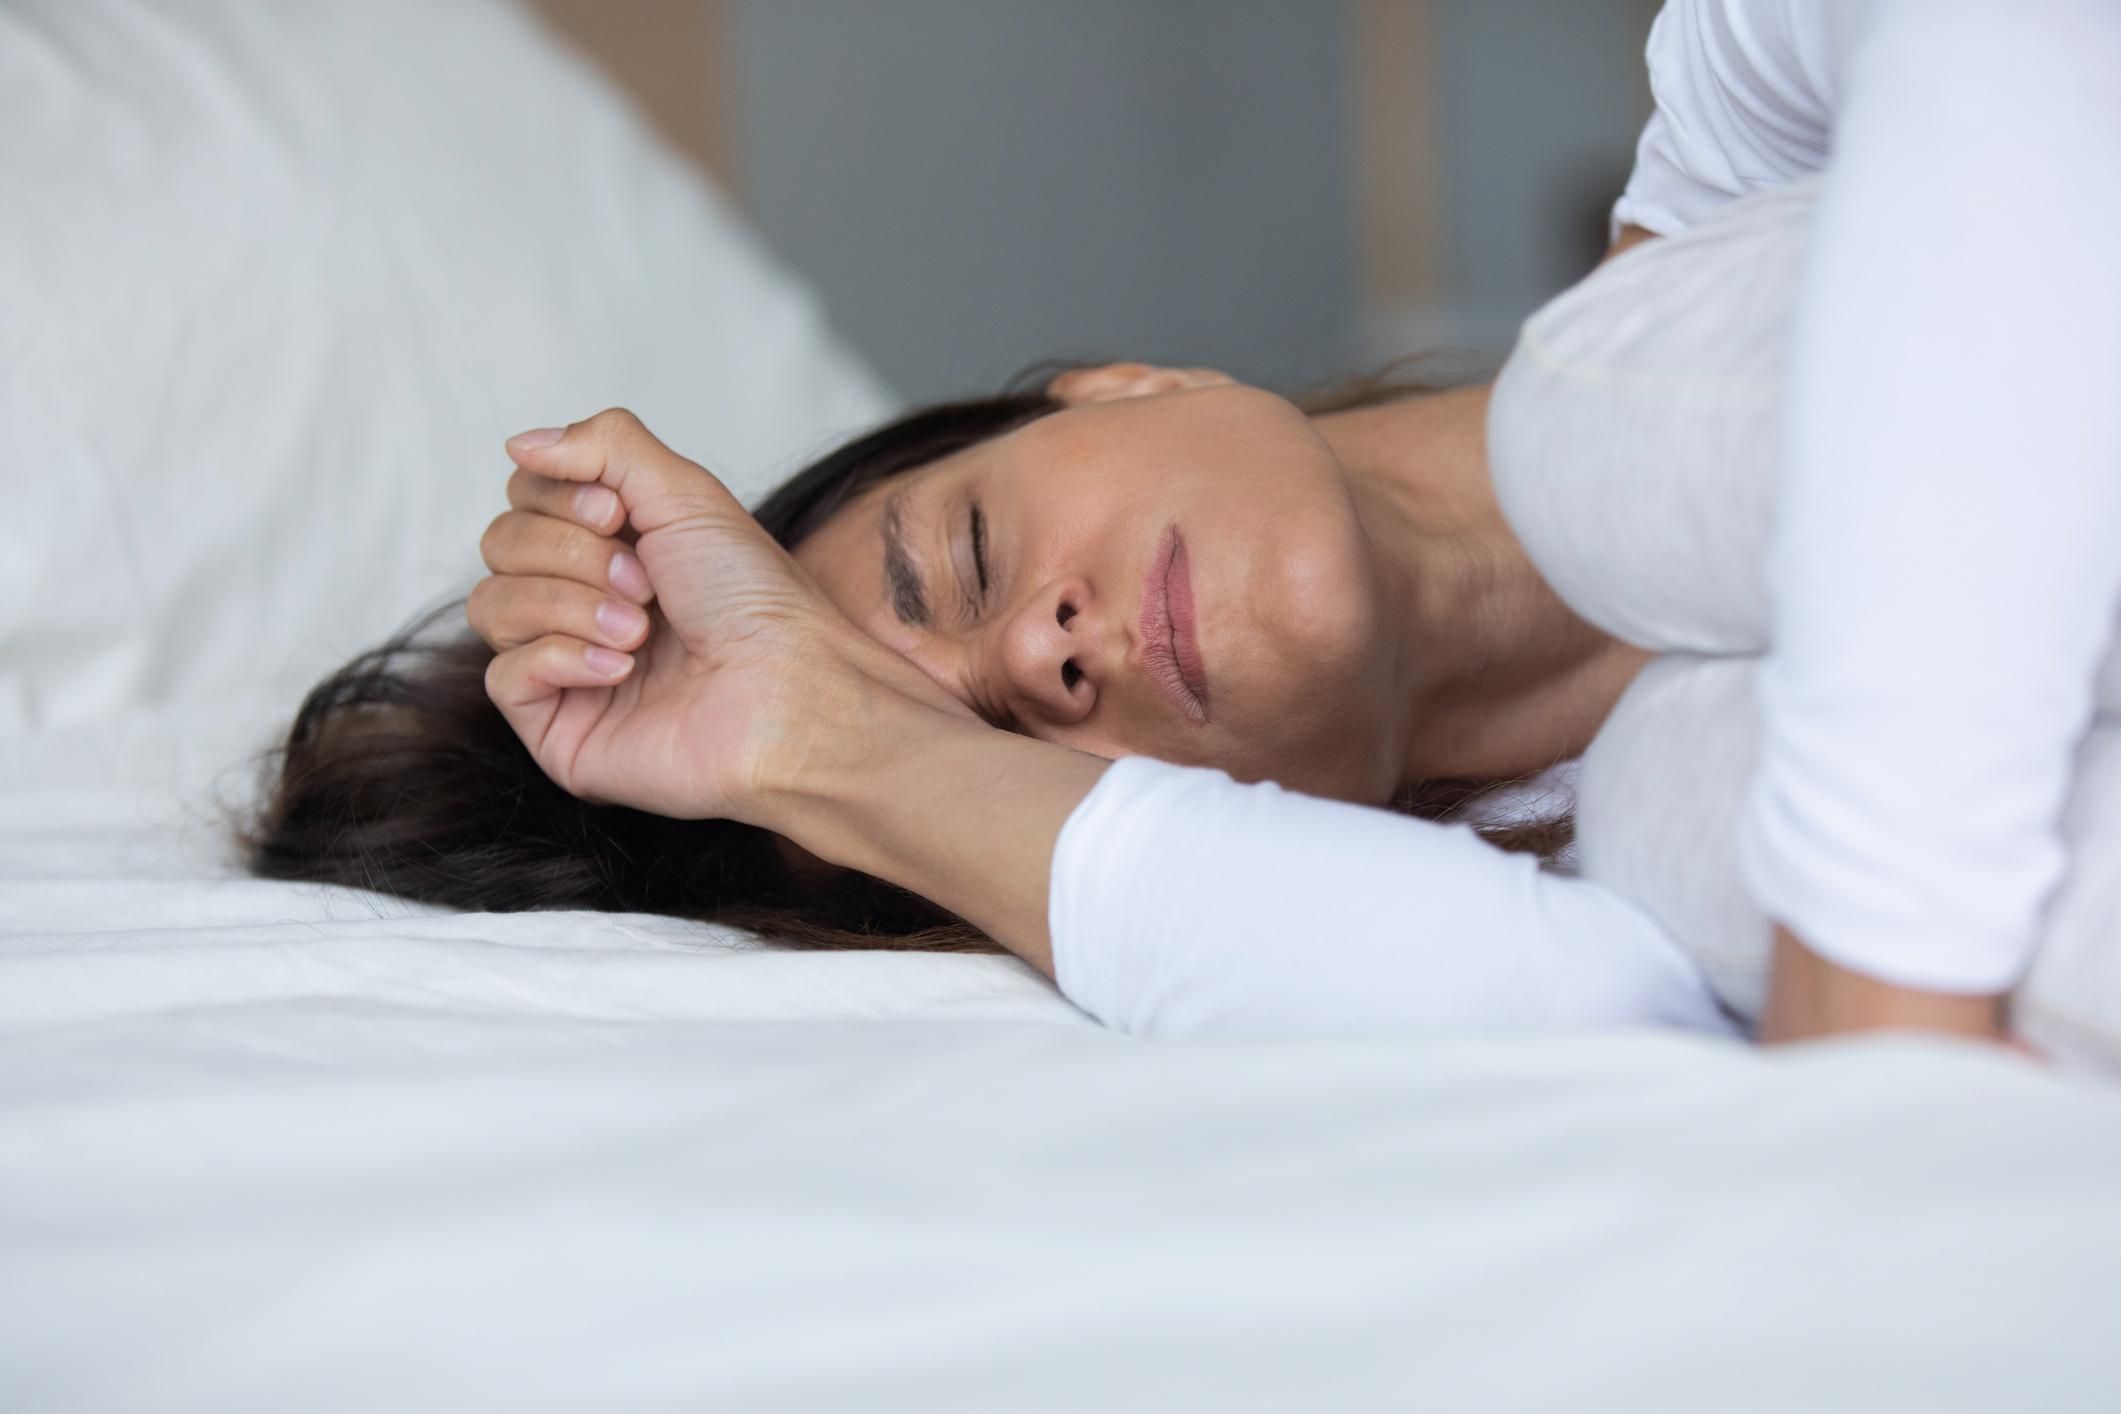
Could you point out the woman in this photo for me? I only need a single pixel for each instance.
(780, 693)
(1358, 623)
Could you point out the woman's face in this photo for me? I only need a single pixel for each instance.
(1073, 513)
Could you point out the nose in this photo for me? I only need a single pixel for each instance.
(1058, 651)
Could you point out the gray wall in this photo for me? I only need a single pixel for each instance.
(974, 185)
(1540, 102)
(978, 184)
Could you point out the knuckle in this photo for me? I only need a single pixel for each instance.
(556, 652)
(613, 424)
(593, 556)
(495, 536)
(487, 610)
(547, 545)
(555, 598)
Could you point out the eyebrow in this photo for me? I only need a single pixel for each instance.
(902, 582)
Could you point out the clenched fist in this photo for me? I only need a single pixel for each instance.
(655, 647)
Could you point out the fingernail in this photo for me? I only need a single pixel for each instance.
(628, 577)
(619, 620)
(535, 438)
(604, 662)
(595, 504)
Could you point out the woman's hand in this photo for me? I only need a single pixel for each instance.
(687, 676)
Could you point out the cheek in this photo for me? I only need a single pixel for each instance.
(1308, 680)
(1324, 598)
(1300, 619)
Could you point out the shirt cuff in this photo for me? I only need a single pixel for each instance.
(1089, 881)
(1856, 918)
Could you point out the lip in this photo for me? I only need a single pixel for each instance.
(1170, 643)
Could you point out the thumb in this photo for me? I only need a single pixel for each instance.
(656, 486)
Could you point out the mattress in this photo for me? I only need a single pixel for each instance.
(269, 1146)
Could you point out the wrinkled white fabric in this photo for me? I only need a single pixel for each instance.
(277, 280)
(269, 1147)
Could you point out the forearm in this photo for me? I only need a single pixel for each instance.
(958, 812)
(1193, 903)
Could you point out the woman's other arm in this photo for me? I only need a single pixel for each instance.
(1947, 558)
(1942, 569)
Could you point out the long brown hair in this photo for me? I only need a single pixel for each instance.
(400, 775)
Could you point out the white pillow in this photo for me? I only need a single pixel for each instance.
(277, 280)
(1635, 436)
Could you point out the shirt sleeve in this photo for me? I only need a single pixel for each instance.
(1946, 562)
(1184, 902)
(1744, 99)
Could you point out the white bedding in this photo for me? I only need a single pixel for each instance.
(269, 1147)
(275, 283)
(278, 1148)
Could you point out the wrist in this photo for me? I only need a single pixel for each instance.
(935, 801)
(1812, 997)
(838, 732)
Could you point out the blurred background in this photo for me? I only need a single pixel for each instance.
(1292, 190)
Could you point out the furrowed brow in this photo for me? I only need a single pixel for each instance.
(902, 582)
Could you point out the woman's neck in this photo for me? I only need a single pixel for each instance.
(1499, 678)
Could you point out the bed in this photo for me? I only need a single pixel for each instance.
(274, 283)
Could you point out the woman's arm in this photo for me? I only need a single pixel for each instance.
(1947, 552)
(1168, 899)
(1946, 567)
(1183, 901)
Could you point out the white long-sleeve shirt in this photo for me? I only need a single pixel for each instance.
(1945, 575)
(1946, 567)
(1185, 902)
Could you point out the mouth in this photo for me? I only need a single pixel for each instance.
(1170, 644)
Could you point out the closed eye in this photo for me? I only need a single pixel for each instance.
(979, 550)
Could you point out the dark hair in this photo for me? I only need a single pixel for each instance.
(400, 775)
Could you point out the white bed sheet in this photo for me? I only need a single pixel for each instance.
(269, 1147)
